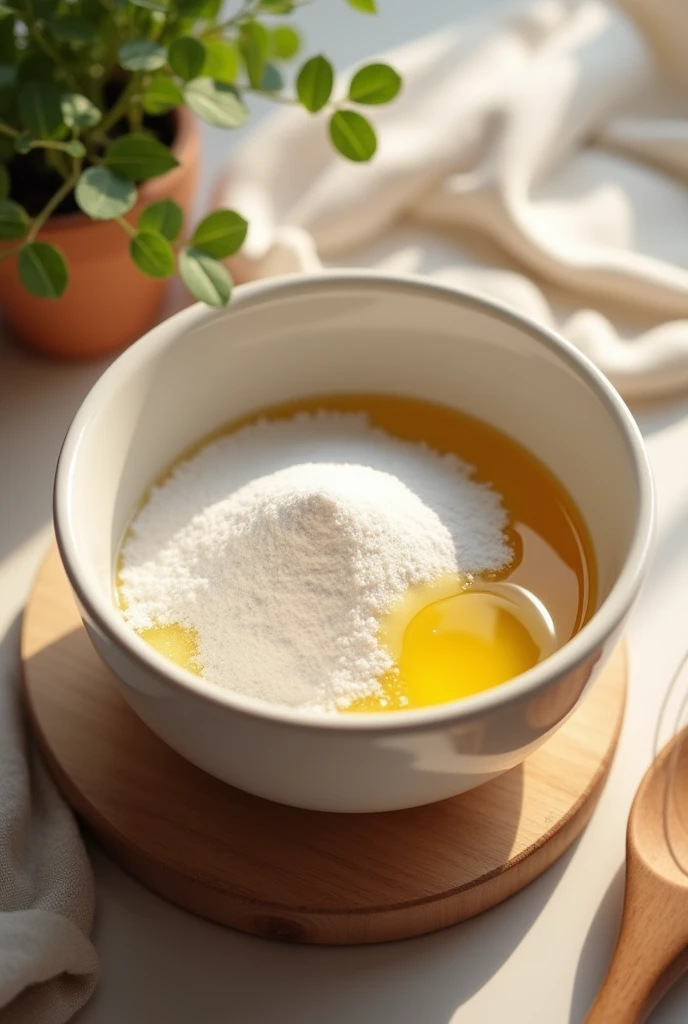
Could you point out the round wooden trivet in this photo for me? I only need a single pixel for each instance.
(285, 873)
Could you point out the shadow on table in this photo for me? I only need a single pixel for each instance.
(159, 963)
(672, 539)
(38, 398)
(597, 949)
(596, 956)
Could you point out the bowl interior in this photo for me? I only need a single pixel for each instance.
(291, 339)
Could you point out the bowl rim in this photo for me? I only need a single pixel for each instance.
(566, 659)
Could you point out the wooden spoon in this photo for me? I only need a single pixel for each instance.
(651, 949)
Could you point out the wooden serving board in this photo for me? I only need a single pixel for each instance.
(285, 873)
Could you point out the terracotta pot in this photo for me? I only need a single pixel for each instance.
(107, 303)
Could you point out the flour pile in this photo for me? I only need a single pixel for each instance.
(284, 544)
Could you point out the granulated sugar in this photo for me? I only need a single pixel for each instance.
(284, 544)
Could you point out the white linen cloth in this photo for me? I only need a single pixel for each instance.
(48, 967)
(538, 156)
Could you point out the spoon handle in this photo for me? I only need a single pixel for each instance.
(647, 958)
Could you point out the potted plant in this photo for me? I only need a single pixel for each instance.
(99, 151)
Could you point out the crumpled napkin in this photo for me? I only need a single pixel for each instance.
(48, 967)
(537, 156)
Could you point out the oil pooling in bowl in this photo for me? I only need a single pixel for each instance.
(447, 641)
(325, 557)
(453, 639)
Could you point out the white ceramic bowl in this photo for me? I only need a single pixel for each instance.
(295, 337)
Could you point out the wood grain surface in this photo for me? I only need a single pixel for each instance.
(286, 873)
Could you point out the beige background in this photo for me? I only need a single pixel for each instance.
(535, 960)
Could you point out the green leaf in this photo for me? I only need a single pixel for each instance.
(8, 75)
(8, 110)
(220, 234)
(364, 6)
(22, 143)
(150, 5)
(102, 195)
(207, 280)
(72, 29)
(152, 254)
(43, 8)
(93, 11)
(272, 79)
(375, 83)
(352, 135)
(211, 9)
(138, 157)
(36, 67)
(187, 57)
(199, 8)
(221, 61)
(314, 83)
(190, 8)
(74, 148)
(8, 39)
(78, 111)
(164, 218)
(285, 42)
(40, 108)
(216, 103)
(142, 55)
(4, 182)
(253, 44)
(8, 54)
(14, 220)
(161, 94)
(42, 270)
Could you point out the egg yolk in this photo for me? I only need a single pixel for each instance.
(453, 647)
(449, 640)
(175, 643)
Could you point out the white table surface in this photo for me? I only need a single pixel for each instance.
(536, 959)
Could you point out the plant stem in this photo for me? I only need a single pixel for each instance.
(60, 147)
(157, 29)
(246, 9)
(52, 204)
(126, 226)
(135, 118)
(62, 163)
(276, 97)
(58, 162)
(119, 109)
(53, 145)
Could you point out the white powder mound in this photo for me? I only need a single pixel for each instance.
(284, 544)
